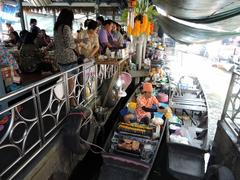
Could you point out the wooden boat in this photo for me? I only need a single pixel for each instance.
(187, 130)
(130, 149)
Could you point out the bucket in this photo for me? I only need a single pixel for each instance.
(162, 98)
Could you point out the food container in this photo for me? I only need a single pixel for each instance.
(161, 97)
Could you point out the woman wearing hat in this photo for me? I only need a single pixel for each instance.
(145, 103)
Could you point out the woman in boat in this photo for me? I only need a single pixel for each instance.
(145, 104)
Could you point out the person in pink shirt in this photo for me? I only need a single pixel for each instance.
(145, 103)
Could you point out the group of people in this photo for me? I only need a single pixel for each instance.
(29, 43)
(98, 36)
(32, 45)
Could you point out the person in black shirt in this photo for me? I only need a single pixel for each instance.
(34, 29)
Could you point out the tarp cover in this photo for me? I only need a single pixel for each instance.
(220, 19)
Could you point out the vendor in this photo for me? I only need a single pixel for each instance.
(145, 104)
(106, 39)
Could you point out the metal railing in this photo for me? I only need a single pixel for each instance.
(231, 110)
(36, 117)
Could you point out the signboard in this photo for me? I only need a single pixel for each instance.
(8, 13)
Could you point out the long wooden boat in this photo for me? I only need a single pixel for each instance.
(121, 163)
(187, 130)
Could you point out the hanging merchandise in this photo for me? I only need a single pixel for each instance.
(130, 20)
(144, 23)
(140, 24)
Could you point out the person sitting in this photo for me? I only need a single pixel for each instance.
(9, 27)
(14, 40)
(42, 39)
(90, 45)
(46, 38)
(30, 55)
(145, 104)
(106, 39)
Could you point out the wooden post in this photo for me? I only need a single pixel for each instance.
(97, 8)
(21, 15)
(114, 14)
(54, 16)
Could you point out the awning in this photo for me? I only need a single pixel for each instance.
(198, 9)
(193, 21)
(188, 34)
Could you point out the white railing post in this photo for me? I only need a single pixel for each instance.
(66, 91)
(38, 109)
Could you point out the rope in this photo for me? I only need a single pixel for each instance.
(83, 123)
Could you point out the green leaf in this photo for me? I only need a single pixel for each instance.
(142, 7)
(124, 15)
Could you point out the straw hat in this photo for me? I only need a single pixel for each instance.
(147, 87)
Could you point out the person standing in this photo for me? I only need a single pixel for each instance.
(90, 45)
(117, 34)
(106, 39)
(100, 20)
(34, 28)
(65, 46)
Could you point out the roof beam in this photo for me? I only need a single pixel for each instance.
(76, 4)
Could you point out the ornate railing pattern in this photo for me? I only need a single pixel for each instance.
(36, 117)
(231, 110)
(106, 72)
